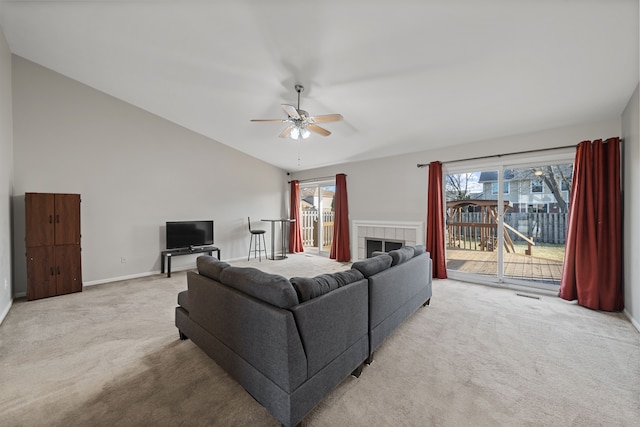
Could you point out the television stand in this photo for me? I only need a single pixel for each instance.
(184, 251)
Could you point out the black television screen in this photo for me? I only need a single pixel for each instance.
(183, 234)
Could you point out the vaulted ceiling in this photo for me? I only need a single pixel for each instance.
(407, 75)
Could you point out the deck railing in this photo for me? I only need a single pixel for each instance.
(309, 227)
(540, 227)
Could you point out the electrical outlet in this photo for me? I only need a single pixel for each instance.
(123, 260)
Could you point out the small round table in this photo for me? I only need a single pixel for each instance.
(282, 222)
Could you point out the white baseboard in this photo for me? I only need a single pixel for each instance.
(147, 274)
(633, 321)
(117, 279)
(5, 312)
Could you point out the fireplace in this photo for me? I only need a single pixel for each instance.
(390, 235)
(377, 245)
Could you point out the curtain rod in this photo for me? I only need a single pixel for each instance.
(322, 178)
(421, 165)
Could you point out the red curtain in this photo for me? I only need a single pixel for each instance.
(340, 250)
(435, 221)
(592, 272)
(295, 237)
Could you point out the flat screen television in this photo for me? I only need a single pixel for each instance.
(184, 234)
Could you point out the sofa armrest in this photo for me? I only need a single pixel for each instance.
(183, 300)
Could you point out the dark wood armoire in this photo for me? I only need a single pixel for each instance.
(52, 238)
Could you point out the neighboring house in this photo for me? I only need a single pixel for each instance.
(310, 199)
(525, 192)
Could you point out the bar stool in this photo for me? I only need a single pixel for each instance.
(257, 246)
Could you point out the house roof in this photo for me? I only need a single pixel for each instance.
(406, 75)
(492, 176)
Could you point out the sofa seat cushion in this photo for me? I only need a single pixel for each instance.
(210, 266)
(271, 288)
(401, 255)
(371, 266)
(312, 287)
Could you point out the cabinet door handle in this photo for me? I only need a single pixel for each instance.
(50, 219)
(52, 272)
(58, 270)
(58, 219)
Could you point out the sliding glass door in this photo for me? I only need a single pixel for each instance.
(317, 206)
(508, 223)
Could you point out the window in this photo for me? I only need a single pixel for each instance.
(536, 186)
(494, 188)
(564, 186)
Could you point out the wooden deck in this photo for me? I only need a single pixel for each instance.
(515, 265)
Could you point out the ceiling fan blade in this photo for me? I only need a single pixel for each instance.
(285, 133)
(291, 111)
(269, 120)
(326, 118)
(318, 129)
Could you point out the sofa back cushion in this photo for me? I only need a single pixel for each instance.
(210, 266)
(401, 255)
(371, 266)
(419, 249)
(311, 287)
(271, 288)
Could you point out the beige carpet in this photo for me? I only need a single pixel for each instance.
(478, 356)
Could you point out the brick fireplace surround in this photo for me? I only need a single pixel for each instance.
(411, 233)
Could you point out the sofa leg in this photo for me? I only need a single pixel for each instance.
(426, 303)
(183, 336)
(358, 371)
(369, 359)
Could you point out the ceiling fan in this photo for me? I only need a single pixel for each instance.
(300, 122)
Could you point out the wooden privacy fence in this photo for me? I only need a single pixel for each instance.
(543, 227)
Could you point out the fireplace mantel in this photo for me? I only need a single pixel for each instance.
(412, 233)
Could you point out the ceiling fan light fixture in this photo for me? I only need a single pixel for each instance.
(301, 124)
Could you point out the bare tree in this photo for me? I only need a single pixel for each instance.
(457, 186)
(553, 176)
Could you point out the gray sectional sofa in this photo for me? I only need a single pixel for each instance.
(289, 342)
(399, 283)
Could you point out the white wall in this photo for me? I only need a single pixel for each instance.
(394, 188)
(134, 171)
(6, 177)
(631, 170)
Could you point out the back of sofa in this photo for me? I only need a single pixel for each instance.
(263, 335)
(391, 288)
(399, 283)
(288, 330)
(332, 323)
